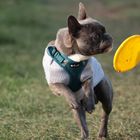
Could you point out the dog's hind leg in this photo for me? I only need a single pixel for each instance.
(104, 94)
(80, 117)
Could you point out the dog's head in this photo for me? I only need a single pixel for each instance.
(90, 35)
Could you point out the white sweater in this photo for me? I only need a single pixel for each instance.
(54, 73)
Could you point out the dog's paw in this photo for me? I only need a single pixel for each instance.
(73, 103)
(103, 133)
(89, 106)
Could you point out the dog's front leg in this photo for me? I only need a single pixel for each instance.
(88, 101)
(61, 89)
(80, 117)
(77, 108)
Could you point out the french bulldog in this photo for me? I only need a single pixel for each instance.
(78, 43)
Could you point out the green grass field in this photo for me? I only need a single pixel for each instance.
(28, 110)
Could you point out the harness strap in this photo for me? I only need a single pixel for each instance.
(56, 55)
(74, 69)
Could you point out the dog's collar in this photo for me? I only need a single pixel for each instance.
(74, 69)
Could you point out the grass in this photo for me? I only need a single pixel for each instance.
(28, 110)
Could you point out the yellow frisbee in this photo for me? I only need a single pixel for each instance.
(127, 55)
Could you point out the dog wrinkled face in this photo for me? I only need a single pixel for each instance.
(91, 36)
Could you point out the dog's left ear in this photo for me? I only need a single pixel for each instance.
(73, 26)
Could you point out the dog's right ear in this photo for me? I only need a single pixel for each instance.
(73, 26)
(82, 12)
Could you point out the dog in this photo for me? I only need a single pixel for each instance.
(83, 82)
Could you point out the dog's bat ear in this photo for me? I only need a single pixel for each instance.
(73, 26)
(82, 12)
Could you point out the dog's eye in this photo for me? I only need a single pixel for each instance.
(103, 30)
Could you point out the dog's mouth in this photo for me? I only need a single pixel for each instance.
(105, 46)
(106, 43)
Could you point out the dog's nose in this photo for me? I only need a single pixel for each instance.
(108, 37)
(107, 41)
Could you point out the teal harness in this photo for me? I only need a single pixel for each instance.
(74, 69)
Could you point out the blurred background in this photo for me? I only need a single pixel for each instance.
(28, 110)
